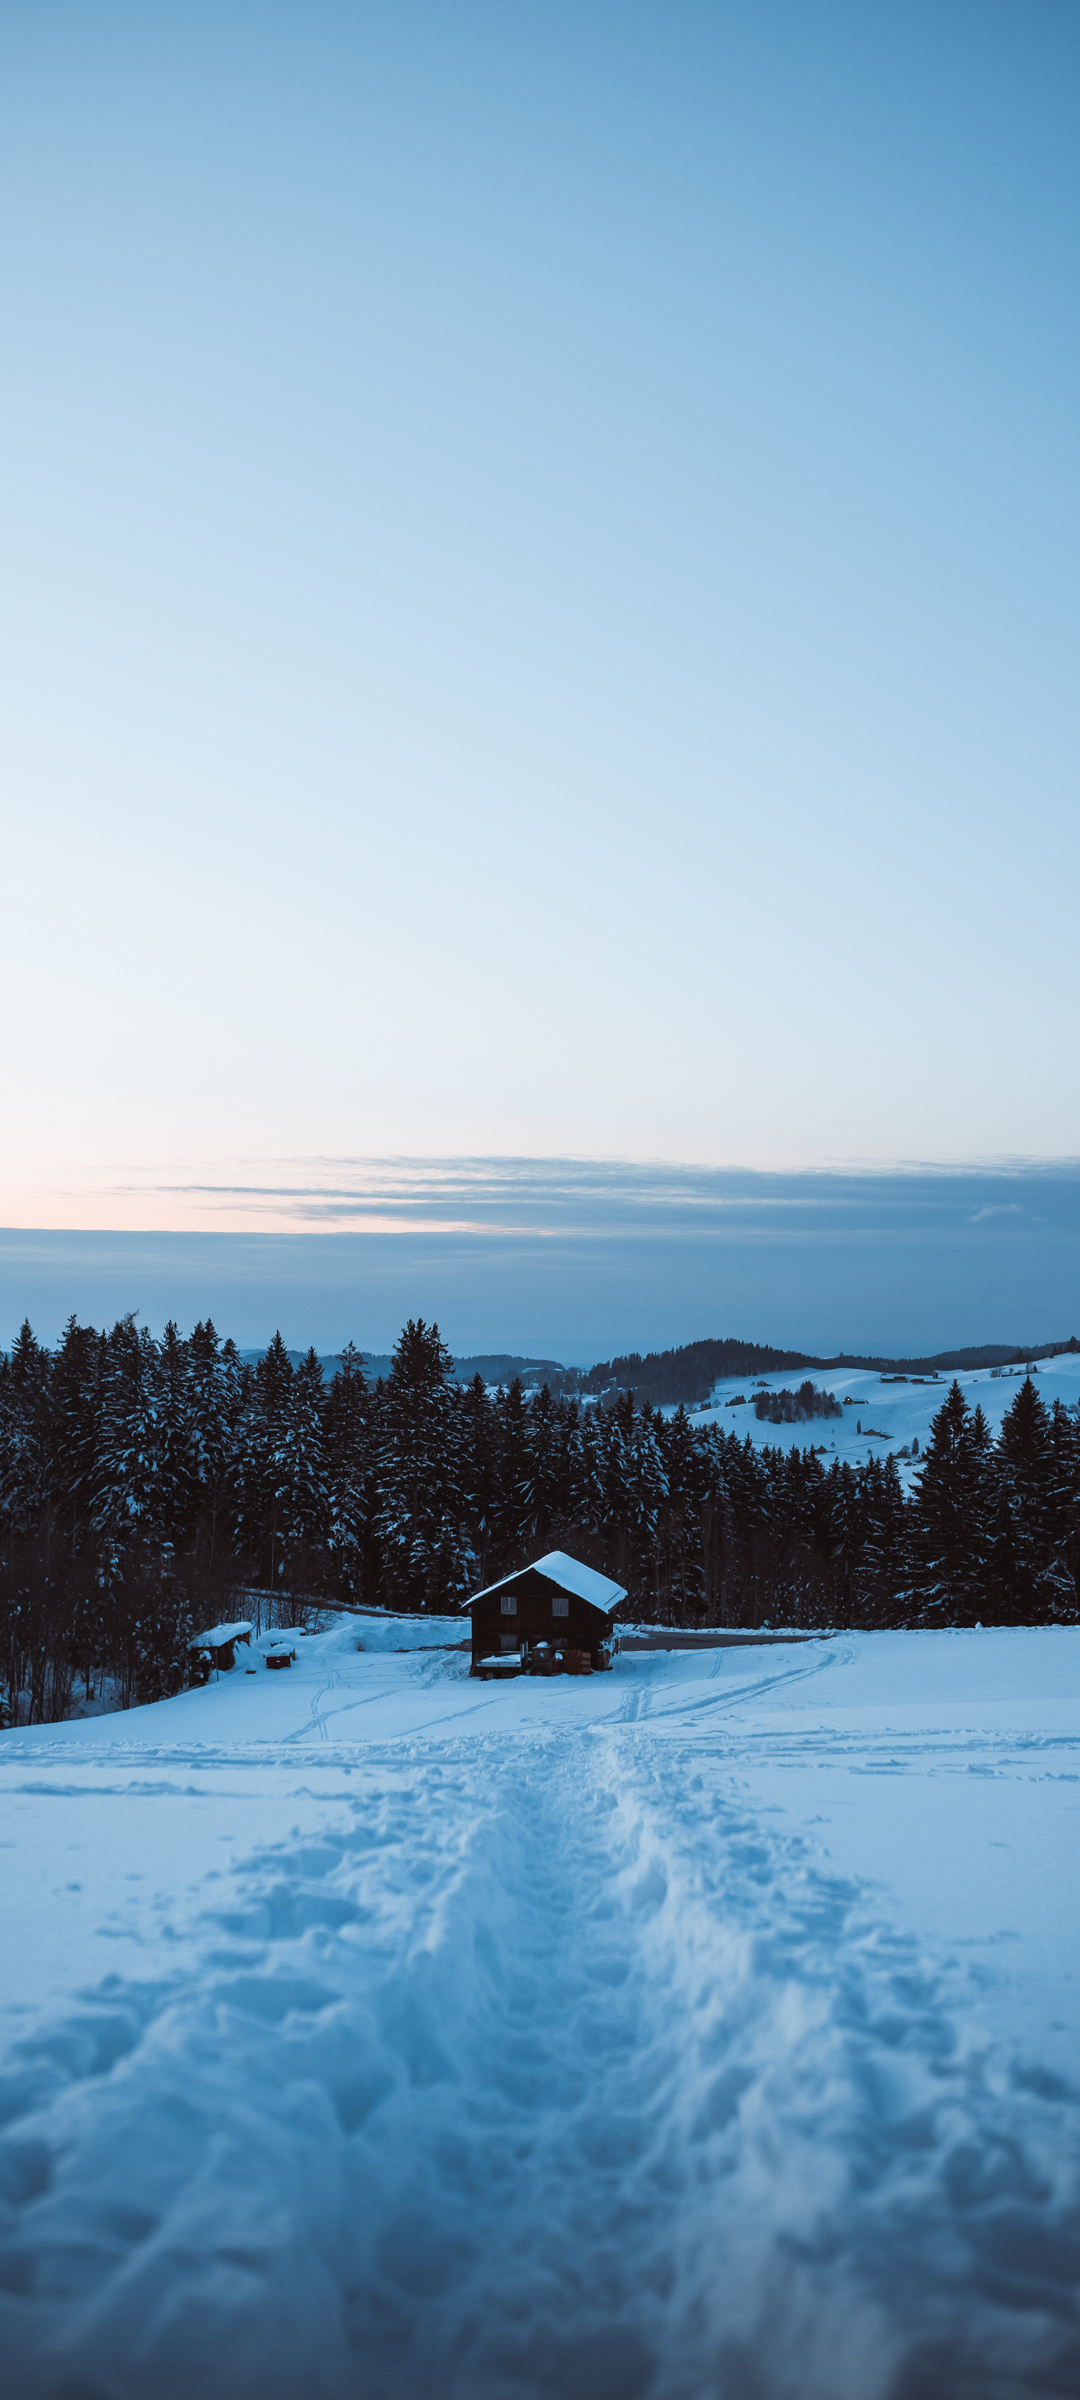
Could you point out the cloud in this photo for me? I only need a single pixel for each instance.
(555, 1200)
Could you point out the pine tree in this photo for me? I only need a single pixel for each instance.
(24, 1442)
(75, 1427)
(301, 1469)
(648, 1494)
(511, 1523)
(213, 1413)
(263, 1511)
(1026, 1466)
(886, 1560)
(1064, 1566)
(175, 1464)
(590, 1497)
(419, 1518)
(126, 1478)
(678, 1518)
(953, 1510)
(539, 1486)
(349, 1468)
(480, 1478)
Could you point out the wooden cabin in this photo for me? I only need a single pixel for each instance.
(554, 1613)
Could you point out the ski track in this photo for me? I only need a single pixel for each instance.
(532, 2065)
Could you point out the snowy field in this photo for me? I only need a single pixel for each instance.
(705, 2028)
(891, 1415)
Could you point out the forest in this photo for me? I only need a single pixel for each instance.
(147, 1485)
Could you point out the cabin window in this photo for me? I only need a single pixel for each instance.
(509, 1605)
(560, 1607)
(508, 1641)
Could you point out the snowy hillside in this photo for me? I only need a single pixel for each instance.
(708, 2026)
(891, 1414)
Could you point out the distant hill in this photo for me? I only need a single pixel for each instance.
(296, 1359)
(495, 1366)
(492, 1366)
(688, 1374)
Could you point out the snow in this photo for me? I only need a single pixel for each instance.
(380, 1629)
(219, 1635)
(570, 1575)
(899, 1412)
(704, 2028)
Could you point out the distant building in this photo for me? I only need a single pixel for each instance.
(556, 1607)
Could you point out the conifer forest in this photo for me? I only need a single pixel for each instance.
(148, 1487)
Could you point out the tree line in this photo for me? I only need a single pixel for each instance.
(795, 1408)
(146, 1485)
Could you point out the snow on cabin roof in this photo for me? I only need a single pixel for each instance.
(220, 1634)
(568, 1574)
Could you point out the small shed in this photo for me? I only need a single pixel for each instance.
(217, 1648)
(554, 1609)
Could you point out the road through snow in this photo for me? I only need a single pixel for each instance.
(403, 2036)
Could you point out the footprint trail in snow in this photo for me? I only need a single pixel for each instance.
(519, 2062)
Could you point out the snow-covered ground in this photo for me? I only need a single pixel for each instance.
(705, 2028)
(891, 1415)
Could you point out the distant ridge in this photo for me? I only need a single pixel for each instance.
(492, 1366)
(689, 1373)
(495, 1366)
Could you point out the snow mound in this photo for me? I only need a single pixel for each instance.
(375, 1630)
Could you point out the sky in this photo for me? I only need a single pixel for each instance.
(580, 1260)
(539, 610)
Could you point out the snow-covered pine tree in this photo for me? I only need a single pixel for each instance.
(175, 1462)
(511, 1525)
(24, 1435)
(300, 1467)
(647, 1494)
(539, 1490)
(75, 1429)
(261, 1497)
(126, 1473)
(419, 1516)
(349, 1463)
(479, 1478)
(215, 1379)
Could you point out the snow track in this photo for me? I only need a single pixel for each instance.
(531, 2064)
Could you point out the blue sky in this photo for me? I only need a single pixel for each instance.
(540, 592)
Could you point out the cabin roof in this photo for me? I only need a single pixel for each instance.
(568, 1575)
(218, 1635)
